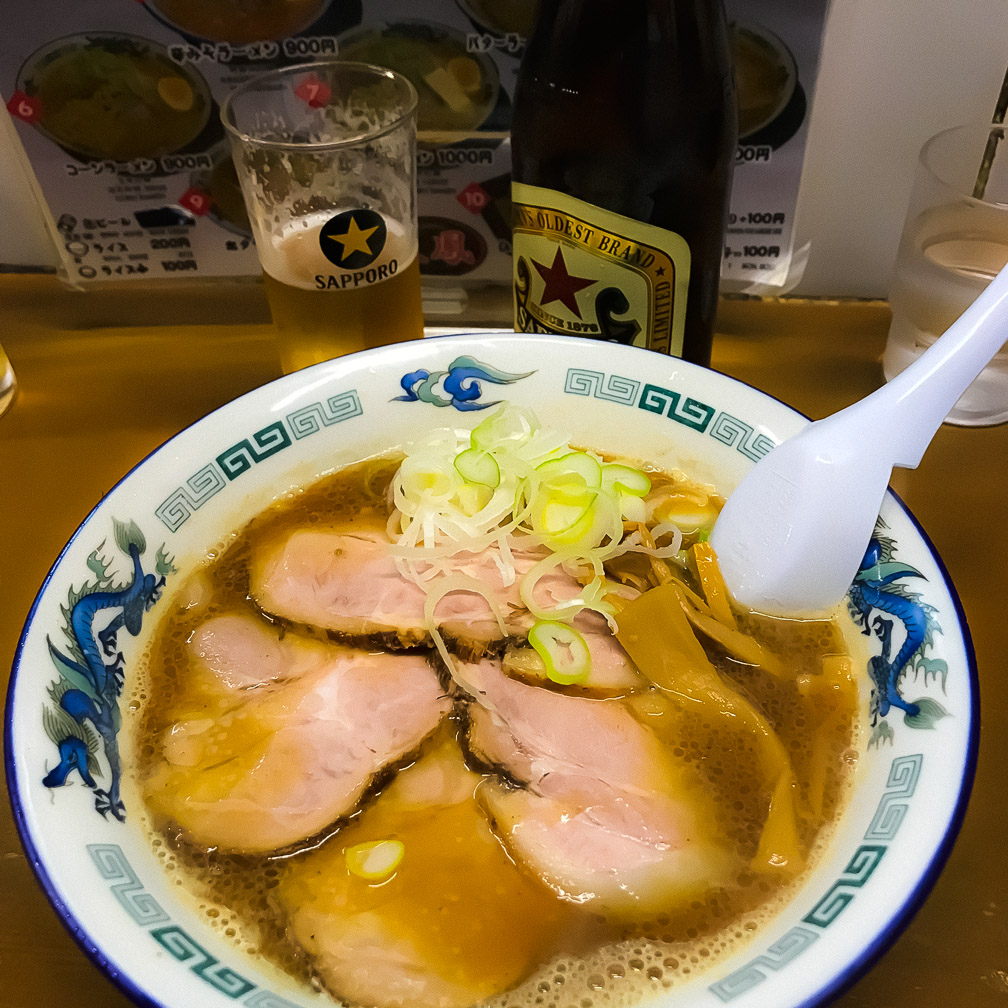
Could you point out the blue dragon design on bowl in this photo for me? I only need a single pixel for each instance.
(84, 714)
(887, 609)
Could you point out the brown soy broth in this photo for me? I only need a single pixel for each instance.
(580, 956)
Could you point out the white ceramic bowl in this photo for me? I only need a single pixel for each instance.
(101, 874)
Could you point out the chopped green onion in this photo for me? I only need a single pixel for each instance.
(561, 522)
(625, 479)
(430, 482)
(375, 860)
(634, 509)
(471, 498)
(513, 486)
(510, 424)
(478, 466)
(563, 650)
(573, 464)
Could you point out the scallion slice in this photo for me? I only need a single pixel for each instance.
(375, 860)
(571, 467)
(625, 479)
(478, 466)
(563, 650)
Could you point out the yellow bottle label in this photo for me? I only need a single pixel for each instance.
(580, 270)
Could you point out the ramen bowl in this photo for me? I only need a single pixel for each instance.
(115, 96)
(71, 716)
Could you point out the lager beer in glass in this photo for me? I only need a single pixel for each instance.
(326, 158)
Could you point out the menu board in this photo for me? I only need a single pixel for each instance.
(776, 54)
(117, 105)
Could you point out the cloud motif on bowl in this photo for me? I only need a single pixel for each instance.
(459, 386)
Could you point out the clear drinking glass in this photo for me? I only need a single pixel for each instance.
(326, 158)
(955, 240)
(8, 383)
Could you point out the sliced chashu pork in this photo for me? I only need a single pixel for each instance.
(611, 671)
(344, 581)
(284, 735)
(601, 812)
(456, 923)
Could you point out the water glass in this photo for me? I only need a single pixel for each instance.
(955, 240)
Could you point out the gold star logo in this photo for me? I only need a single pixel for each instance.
(354, 239)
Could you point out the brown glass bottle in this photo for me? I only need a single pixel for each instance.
(625, 107)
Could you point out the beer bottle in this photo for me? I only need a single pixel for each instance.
(623, 139)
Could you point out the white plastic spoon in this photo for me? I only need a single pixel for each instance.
(792, 535)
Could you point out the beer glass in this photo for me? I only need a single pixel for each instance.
(954, 242)
(326, 157)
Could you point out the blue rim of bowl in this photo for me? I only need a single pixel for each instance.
(884, 939)
(843, 980)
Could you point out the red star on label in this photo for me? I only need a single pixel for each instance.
(560, 285)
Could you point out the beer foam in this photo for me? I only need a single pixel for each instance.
(293, 256)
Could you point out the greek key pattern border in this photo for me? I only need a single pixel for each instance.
(723, 427)
(601, 386)
(901, 784)
(776, 957)
(114, 867)
(903, 777)
(178, 507)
